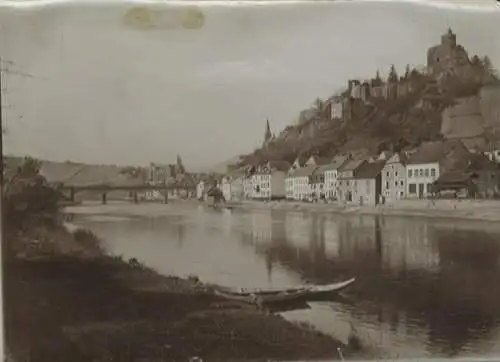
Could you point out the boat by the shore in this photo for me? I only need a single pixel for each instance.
(284, 295)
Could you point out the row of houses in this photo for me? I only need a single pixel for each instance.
(429, 171)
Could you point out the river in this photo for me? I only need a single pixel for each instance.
(425, 287)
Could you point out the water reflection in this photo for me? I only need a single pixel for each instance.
(424, 288)
(411, 274)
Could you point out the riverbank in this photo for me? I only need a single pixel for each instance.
(66, 300)
(480, 210)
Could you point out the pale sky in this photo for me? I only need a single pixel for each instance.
(104, 92)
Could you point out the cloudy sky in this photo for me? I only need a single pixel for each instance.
(115, 85)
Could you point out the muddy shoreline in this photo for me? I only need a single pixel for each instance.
(484, 210)
(65, 299)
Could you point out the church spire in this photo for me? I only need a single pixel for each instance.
(180, 166)
(268, 135)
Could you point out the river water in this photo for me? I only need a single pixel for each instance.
(425, 287)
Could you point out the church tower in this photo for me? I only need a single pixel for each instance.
(180, 170)
(267, 135)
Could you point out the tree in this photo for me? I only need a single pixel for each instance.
(318, 106)
(476, 61)
(29, 168)
(393, 75)
(407, 72)
(488, 66)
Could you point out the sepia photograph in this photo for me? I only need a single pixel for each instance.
(198, 181)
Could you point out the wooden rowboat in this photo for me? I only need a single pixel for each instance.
(262, 298)
(275, 296)
(330, 288)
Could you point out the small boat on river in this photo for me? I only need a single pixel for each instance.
(283, 295)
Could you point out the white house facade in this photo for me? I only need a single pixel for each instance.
(430, 161)
(247, 187)
(420, 177)
(330, 172)
(301, 182)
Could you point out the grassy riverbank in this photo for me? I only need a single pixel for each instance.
(67, 301)
(484, 210)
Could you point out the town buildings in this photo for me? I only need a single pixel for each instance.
(299, 181)
(330, 175)
(394, 178)
(360, 182)
(346, 184)
(431, 160)
(232, 186)
(268, 181)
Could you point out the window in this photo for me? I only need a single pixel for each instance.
(412, 188)
(433, 172)
(421, 172)
(387, 185)
(401, 183)
(401, 194)
(396, 173)
(396, 183)
(387, 174)
(410, 173)
(426, 172)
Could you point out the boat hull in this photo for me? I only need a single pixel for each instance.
(277, 296)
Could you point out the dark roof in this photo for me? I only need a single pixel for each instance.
(479, 162)
(304, 171)
(400, 155)
(351, 165)
(321, 161)
(335, 164)
(279, 165)
(369, 170)
(454, 177)
(302, 159)
(433, 151)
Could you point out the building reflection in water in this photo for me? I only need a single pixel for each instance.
(412, 275)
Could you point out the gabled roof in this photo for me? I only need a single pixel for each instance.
(430, 152)
(369, 170)
(385, 155)
(321, 161)
(304, 171)
(335, 164)
(398, 157)
(301, 159)
(454, 177)
(351, 165)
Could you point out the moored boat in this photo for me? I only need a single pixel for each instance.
(274, 296)
(331, 288)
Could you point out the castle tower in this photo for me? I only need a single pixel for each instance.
(449, 39)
